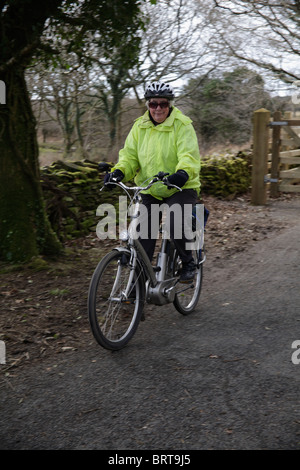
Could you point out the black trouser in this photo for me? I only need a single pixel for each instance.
(186, 196)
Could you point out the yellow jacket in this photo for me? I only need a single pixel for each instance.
(168, 147)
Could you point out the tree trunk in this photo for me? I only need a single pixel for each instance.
(25, 231)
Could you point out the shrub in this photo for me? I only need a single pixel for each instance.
(225, 175)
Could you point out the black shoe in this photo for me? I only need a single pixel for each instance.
(188, 272)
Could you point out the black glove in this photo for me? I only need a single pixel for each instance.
(179, 179)
(117, 174)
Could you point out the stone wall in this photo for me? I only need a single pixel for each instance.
(72, 195)
(72, 190)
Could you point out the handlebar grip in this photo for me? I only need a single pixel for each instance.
(160, 175)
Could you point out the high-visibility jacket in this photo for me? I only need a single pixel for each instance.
(168, 147)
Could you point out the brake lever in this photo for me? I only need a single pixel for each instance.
(114, 181)
(161, 174)
(165, 182)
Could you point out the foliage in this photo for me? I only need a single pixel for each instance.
(222, 106)
(38, 31)
(226, 175)
(77, 24)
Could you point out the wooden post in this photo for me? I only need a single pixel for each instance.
(275, 154)
(261, 120)
(287, 115)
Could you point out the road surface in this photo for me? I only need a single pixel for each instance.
(225, 377)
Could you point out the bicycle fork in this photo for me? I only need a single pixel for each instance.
(122, 295)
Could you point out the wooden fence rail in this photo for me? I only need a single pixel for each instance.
(271, 170)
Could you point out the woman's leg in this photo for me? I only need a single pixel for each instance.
(149, 236)
(185, 199)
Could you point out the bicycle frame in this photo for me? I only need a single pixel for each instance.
(124, 280)
(159, 290)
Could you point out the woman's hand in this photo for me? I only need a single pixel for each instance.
(116, 175)
(178, 179)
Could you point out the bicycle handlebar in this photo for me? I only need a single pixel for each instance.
(160, 177)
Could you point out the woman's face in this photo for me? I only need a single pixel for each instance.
(158, 113)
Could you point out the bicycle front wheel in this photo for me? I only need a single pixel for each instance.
(113, 317)
(187, 295)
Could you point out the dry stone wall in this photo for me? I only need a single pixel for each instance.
(72, 190)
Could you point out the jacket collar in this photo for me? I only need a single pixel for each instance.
(145, 121)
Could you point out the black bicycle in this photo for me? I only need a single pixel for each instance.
(125, 280)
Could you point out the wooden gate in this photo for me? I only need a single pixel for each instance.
(278, 169)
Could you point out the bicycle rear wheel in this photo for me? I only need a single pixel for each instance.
(114, 318)
(187, 295)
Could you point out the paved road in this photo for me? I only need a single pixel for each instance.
(221, 378)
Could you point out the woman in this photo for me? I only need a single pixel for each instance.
(163, 139)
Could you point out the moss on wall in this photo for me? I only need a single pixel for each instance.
(226, 175)
(72, 190)
(72, 195)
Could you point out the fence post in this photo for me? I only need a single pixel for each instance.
(275, 155)
(261, 119)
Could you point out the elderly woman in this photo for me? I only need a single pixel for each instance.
(163, 139)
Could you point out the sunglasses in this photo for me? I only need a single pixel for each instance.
(163, 105)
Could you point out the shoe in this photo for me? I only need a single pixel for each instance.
(188, 272)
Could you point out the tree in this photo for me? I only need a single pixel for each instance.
(259, 32)
(30, 29)
(174, 45)
(222, 105)
(177, 45)
(60, 95)
(114, 83)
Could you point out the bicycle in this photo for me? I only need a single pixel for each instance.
(124, 280)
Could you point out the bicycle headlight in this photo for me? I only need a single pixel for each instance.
(124, 235)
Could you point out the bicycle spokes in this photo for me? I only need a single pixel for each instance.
(114, 314)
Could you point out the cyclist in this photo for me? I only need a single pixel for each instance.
(163, 139)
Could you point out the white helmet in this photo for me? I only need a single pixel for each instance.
(159, 90)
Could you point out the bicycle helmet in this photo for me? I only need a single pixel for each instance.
(159, 90)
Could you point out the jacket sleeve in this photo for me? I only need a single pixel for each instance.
(128, 156)
(188, 151)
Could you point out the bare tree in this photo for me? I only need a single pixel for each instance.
(263, 33)
(176, 45)
(61, 94)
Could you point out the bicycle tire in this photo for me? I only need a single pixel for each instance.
(187, 295)
(113, 319)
